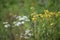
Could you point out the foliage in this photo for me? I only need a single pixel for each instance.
(43, 24)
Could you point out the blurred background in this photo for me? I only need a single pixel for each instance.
(23, 7)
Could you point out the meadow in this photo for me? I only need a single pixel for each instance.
(29, 20)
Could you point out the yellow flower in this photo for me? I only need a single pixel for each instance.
(34, 13)
(37, 15)
(56, 15)
(58, 12)
(46, 15)
(46, 11)
(34, 19)
(41, 15)
(52, 13)
(34, 16)
(52, 24)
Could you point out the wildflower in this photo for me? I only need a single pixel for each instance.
(26, 37)
(46, 11)
(22, 22)
(27, 31)
(7, 25)
(30, 34)
(17, 17)
(51, 13)
(27, 20)
(14, 22)
(56, 15)
(18, 24)
(5, 22)
(36, 15)
(41, 15)
(21, 19)
(24, 16)
(52, 24)
(34, 19)
(46, 15)
(58, 12)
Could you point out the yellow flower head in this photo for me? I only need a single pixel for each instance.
(34, 13)
(41, 15)
(34, 19)
(37, 15)
(52, 24)
(58, 12)
(46, 11)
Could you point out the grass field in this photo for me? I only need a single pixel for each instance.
(30, 20)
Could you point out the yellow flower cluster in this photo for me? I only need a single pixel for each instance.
(46, 14)
(34, 17)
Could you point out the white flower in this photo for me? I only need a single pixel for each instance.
(21, 19)
(14, 22)
(30, 34)
(24, 16)
(5, 22)
(27, 20)
(26, 37)
(21, 36)
(18, 17)
(7, 25)
(18, 24)
(27, 31)
(22, 22)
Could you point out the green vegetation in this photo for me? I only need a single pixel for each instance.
(32, 16)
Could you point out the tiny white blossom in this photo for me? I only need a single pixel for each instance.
(27, 20)
(14, 22)
(22, 22)
(29, 34)
(5, 22)
(18, 24)
(26, 37)
(21, 36)
(27, 31)
(24, 16)
(7, 25)
(18, 17)
(21, 19)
